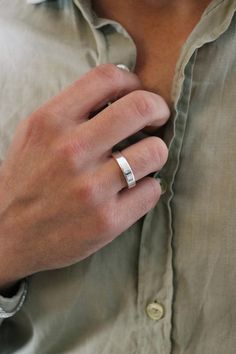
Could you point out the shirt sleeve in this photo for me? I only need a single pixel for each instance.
(10, 306)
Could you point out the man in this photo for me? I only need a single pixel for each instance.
(89, 265)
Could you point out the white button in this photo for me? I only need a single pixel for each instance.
(155, 311)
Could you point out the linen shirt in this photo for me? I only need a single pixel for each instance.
(167, 285)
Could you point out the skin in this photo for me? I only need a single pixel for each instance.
(163, 28)
(59, 177)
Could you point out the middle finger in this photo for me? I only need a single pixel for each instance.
(123, 118)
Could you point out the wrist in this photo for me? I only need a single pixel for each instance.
(11, 265)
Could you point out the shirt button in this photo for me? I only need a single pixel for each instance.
(155, 311)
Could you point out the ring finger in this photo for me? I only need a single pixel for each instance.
(147, 156)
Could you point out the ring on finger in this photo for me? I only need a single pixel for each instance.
(125, 168)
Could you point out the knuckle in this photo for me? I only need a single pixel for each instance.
(151, 196)
(155, 192)
(36, 126)
(163, 109)
(153, 154)
(73, 151)
(158, 151)
(111, 73)
(37, 121)
(62, 154)
(105, 221)
(163, 152)
(77, 147)
(143, 103)
(43, 120)
(87, 193)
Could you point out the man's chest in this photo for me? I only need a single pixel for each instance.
(156, 69)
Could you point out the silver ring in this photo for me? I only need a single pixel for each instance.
(125, 168)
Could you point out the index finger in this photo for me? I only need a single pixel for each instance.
(123, 118)
(100, 85)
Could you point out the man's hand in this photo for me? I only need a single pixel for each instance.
(62, 195)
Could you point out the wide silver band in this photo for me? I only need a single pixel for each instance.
(125, 168)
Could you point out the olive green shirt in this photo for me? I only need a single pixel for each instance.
(168, 284)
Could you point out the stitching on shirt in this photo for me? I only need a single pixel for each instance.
(182, 110)
(214, 7)
(223, 27)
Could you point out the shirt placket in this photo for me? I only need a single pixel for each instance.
(156, 273)
(155, 265)
(156, 283)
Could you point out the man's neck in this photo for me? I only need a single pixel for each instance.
(159, 29)
(176, 17)
(114, 9)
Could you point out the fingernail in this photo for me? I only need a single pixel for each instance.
(163, 185)
(123, 67)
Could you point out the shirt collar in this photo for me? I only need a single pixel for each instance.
(35, 1)
(85, 7)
